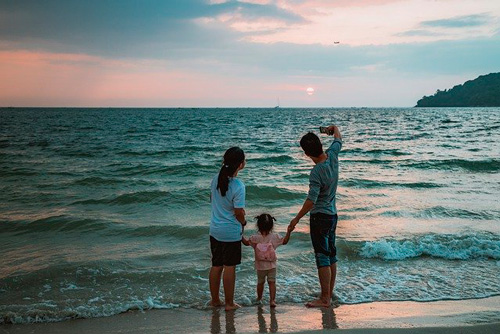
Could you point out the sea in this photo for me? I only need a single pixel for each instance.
(106, 210)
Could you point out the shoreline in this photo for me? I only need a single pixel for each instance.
(463, 316)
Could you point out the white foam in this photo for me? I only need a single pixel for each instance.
(453, 247)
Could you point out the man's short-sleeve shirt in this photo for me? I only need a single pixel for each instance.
(323, 181)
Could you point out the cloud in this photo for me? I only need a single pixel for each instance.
(419, 32)
(126, 28)
(253, 10)
(459, 22)
(458, 27)
(196, 52)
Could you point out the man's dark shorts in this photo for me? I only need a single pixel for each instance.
(225, 253)
(323, 228)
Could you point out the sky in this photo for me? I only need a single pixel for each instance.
(246, 53)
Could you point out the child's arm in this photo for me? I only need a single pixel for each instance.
(245, 241)
(287, 236)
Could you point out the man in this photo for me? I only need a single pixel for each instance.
(321, 202)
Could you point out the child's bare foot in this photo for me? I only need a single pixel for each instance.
(231, 307)
(318, 303)
(215, 303)
(272, 303)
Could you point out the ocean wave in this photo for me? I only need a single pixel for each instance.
(272, 159)
(77, 153)
(176, 231)
(68, 223)
(364, 183)
(448, 246)
(154, 196)
(262, 193)
(39, 143)
(95, 180)
(480, 166)
(17, 171)
(443, 212)
(4, 143)
(360, 151)
(46, 312)
(183, 197)
(56, 223)
(190, 169)
(384, 162)
(165, 152)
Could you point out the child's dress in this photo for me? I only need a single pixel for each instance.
(265, 255)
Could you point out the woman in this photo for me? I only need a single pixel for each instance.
(226, 226)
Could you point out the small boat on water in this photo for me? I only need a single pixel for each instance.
(278, 104)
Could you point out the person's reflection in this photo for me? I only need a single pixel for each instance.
(262, 321)
(274, 321)
(230, 327)
(328, 318)
(215, 327)
(215, 323)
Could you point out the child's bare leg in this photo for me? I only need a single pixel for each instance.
(272, 293)
(260, 290)
(229, 280)
(214, 279)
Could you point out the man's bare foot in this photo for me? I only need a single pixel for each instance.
(318, 303)
(272, 303)
(215, 303)
(230, 307)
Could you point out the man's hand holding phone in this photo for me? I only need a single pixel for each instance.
(330, 130)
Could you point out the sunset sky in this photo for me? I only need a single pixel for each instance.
(195, 53)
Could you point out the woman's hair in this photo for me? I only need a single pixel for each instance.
(265, 223)
(233, 157)
(311, 145)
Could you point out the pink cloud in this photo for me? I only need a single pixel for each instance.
(363, 22)
(58, 79)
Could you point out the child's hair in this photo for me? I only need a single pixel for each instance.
(265, 223)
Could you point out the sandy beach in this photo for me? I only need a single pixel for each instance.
(465, 316)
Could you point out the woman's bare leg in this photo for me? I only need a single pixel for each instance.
(214, 281)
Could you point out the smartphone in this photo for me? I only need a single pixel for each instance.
(324, 129)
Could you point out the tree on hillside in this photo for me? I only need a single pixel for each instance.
(483, 91)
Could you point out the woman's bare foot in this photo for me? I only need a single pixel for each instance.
(272, 303)
(230, 307)
(318, 303)
(215, 303)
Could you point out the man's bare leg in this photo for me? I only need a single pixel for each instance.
(324, 274)
(229, 279)
(333, 270)
(214, 281)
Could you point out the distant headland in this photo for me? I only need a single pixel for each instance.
(483, 91)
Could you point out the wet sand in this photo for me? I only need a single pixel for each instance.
(464, 316)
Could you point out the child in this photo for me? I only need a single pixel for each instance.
(264, 244)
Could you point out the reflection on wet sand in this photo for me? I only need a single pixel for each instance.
(215, 325)
(273, 328)
(267, 320)
(328, 318)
